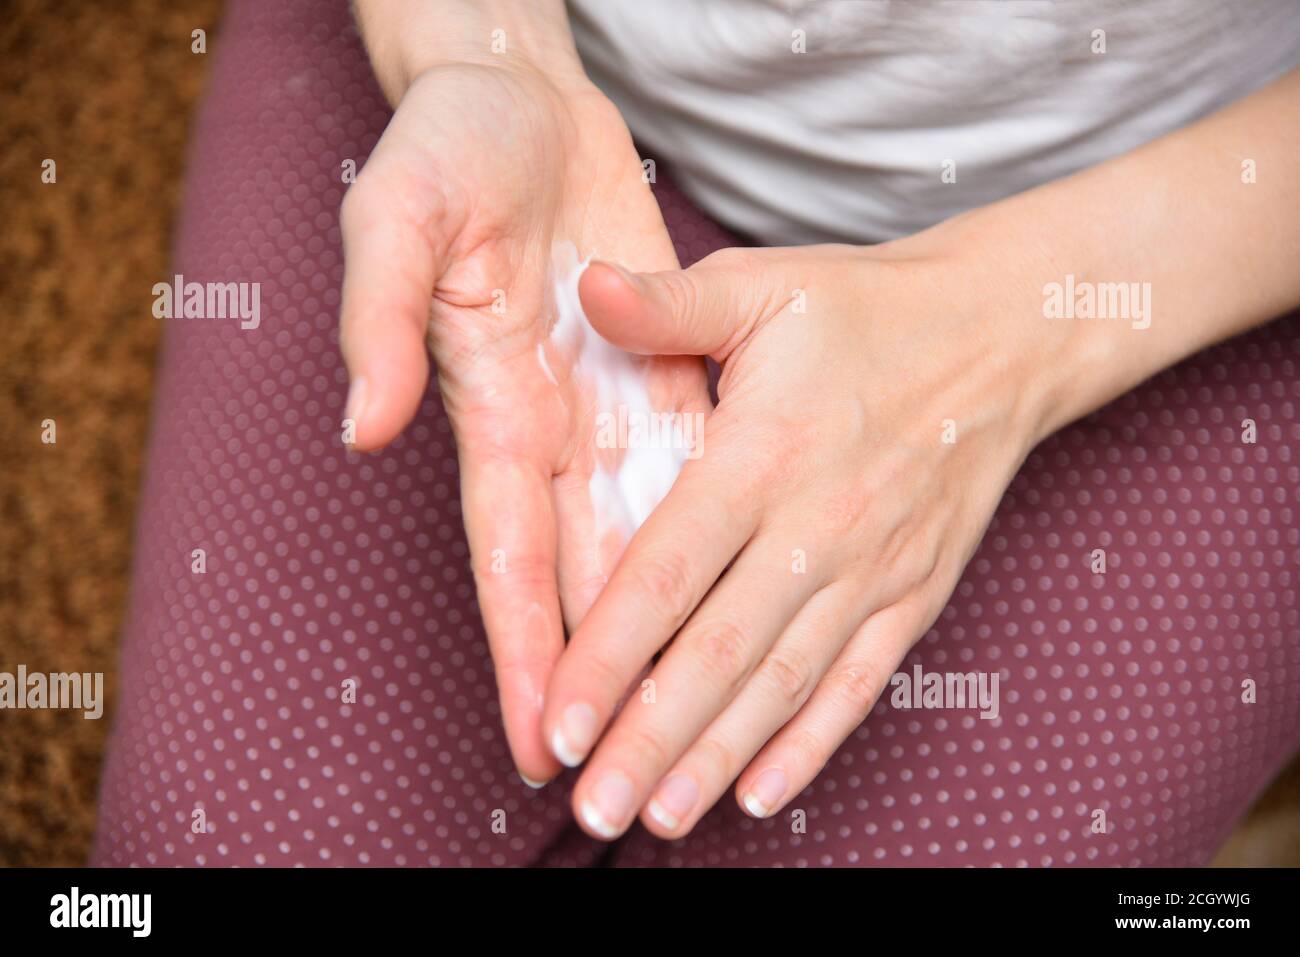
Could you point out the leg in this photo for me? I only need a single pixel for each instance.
(322, 574)
(304, 677)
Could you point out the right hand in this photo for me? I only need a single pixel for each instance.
(482, 169)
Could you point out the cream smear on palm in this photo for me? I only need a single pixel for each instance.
(634, 466)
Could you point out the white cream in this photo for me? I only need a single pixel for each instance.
(627, 482)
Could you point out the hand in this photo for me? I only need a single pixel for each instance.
(448, 232)
(873, 409)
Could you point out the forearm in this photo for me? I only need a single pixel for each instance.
(406, 37)
(1177, 218)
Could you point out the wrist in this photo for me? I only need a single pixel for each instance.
(406, 38)
(1021, 284)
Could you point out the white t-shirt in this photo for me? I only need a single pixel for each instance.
(853, 138)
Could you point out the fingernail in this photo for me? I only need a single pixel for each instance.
(608, 804)
(575, 735)
(674, 800)
(765, 794)
(535, 785)
(356, 403)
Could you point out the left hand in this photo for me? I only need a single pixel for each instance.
(443, 226)
(874, 406)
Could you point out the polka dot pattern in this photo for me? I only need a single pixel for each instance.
(305, 679)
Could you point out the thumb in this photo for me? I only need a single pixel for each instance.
(704, 310)
(390, 269)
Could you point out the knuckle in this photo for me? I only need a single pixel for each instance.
(645, 748)
(753, 287)
(682, 297)
(718, 757)
(776, 467)
(811, 752)
(790, 674)
(600, 674)
(848, 509)
(928, 565)
(722, 649)
(758, 274)
(665, 578)
(857, 685)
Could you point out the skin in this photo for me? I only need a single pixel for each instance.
(875, 403)
(447, 237)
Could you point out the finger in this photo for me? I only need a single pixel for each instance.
(391, 265)
(588, 551)
(671, 562)
(841, 702)
(702, 671)
(705, 310)
(510, 523)
(775, 693)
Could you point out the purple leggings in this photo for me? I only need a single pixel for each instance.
(1121, 692)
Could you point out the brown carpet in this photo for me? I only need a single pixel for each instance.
(106, 90)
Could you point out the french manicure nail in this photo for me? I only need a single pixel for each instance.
(674, 800)
(575, 735)
(765, 794)
(608, 804)
(535, 785)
